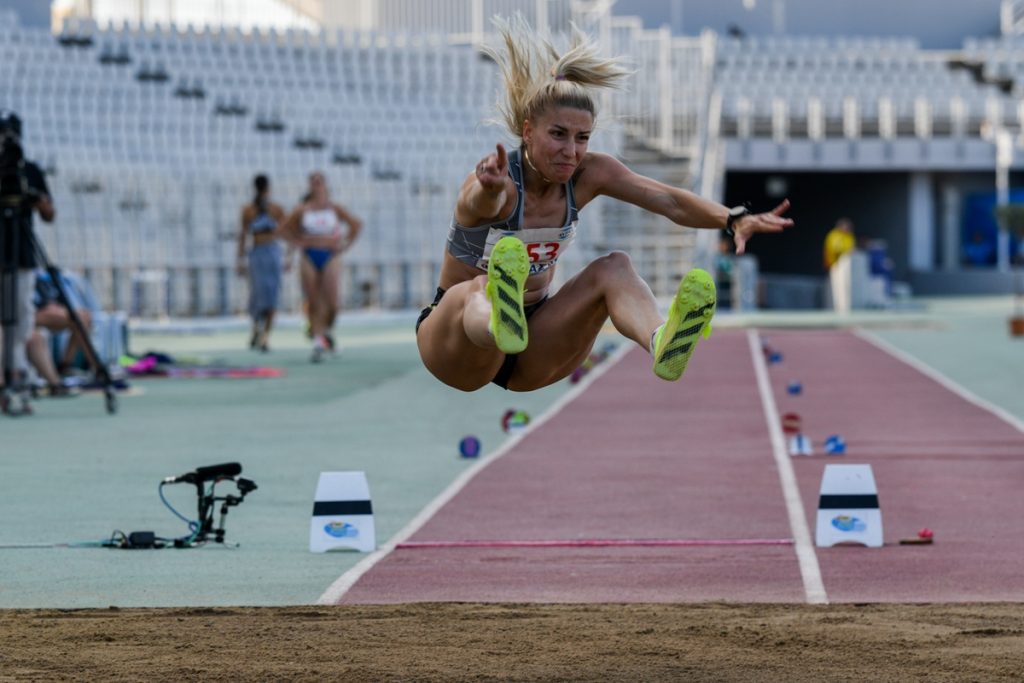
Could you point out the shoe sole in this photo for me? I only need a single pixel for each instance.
(689, 316)
(507, 270)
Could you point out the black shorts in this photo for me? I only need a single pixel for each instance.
(509, 366)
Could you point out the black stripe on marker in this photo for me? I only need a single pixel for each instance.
(855, 502)
(335, 508)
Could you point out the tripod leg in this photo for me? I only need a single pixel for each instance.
(8, 320)
(16, 326)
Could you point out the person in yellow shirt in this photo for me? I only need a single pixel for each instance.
(838, 242)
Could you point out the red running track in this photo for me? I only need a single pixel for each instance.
(939, 462)
(636, 458)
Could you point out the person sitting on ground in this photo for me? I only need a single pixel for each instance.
(40, 355)
(52, 315)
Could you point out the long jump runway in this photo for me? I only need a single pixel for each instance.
(640, 490)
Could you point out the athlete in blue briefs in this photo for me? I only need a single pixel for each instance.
(323, 230)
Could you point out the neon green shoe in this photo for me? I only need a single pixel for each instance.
(688, 318)
(507, 270)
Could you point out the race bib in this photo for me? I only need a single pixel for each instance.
(543, 245)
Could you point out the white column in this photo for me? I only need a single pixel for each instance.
(665, 75)
(921, 222)
(371, 15)
(1004, 159)
(477, 19)
(541, 23)
(604, 37)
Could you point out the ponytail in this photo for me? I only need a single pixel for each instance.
(260, 183)
(537, 77)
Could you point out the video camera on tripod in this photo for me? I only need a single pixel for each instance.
(19, 248)
(11, 154)
(14, 191)
(15, 221)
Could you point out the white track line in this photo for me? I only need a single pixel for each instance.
(337, 590)
(946, 382)
(810, 572)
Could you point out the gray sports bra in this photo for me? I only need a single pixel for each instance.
(263, 222)
(472, 246)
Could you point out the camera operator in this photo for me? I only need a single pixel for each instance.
(23, 192)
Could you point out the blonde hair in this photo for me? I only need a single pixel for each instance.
(537, 77)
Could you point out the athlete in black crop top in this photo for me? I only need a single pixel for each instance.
(485, 325)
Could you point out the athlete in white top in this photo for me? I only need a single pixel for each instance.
(505, 325)
(323, 230)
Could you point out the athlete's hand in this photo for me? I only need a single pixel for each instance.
(770, 221)
(492, 171)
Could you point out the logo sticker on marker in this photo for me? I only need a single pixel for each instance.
(341, 530)
(847, 523)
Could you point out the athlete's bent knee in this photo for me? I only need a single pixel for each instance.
(614, 263)
(619, 259)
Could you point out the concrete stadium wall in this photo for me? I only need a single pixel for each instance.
(965, 283)
(937, 24)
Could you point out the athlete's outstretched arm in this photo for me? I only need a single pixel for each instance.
(613, 178)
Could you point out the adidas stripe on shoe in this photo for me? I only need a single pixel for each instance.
(689, 317)
(507, 270)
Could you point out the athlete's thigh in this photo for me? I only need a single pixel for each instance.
(446, 350)
(562, 333)
(329, 280)
(53, 317)
(308, 277)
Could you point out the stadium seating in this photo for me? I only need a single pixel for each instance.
(151, 137)
(891, 87)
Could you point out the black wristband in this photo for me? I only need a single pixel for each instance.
(735, 213)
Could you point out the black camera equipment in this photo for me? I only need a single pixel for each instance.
(13, 197)
(206, 480)
(200, 531)
(16, 201)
